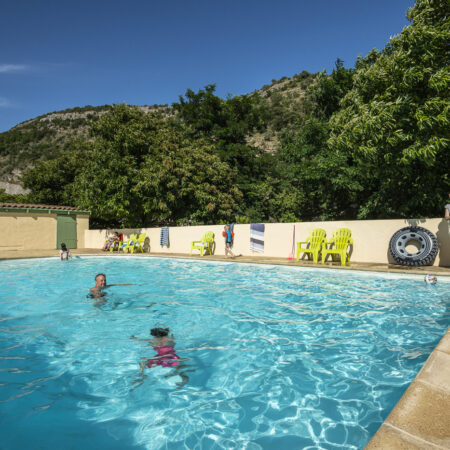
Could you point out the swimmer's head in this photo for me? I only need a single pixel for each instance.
(430, 279)
(63, 247)
(159, 332)
(100, 280)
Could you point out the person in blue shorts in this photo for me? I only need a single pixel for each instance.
(228, 235)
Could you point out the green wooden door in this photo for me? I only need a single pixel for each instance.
(66, 231)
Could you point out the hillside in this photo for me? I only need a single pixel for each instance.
(44, 137)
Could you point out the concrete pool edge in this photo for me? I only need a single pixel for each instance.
(420, 419)
(260, 259)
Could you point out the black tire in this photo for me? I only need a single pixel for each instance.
(427, 253)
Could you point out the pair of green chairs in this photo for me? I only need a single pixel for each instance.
(205, 245)
(317, 243)
(134, 244)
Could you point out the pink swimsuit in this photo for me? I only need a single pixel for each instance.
(166, 357)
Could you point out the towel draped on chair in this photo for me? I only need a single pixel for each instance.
(257, 237)
(164, 236)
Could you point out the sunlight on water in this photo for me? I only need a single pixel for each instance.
(269, 357)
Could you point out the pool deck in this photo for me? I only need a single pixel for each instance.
(421, 418)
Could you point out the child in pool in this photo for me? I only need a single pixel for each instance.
(64, 253)
(164, 345)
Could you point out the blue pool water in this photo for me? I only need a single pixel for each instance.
(272, 357)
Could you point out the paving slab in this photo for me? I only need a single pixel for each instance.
(423, 412)
(436, 371)
(390, 438)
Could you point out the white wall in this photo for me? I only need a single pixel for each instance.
(371, 238)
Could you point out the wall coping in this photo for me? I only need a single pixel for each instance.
(49, 209)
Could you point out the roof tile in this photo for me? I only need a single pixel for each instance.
(32, 205)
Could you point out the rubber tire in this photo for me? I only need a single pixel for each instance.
(426, 254)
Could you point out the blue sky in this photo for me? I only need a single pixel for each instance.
(59, 54)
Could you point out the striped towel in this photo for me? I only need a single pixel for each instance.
(257, 237)
(164, 236)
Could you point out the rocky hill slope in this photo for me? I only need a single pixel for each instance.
(43, 137)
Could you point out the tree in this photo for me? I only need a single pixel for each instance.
(51, 182)
(106, 185)
(394, 123)
(325, 94)
(324, 181)
(319, 176)
(225, 125)
(181, 179)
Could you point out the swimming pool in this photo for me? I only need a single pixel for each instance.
(270, 356)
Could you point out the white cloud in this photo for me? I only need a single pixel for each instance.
(12, 68)
(4, 102)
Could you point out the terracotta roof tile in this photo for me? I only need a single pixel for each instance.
(32, 205)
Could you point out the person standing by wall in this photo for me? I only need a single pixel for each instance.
(228, 235)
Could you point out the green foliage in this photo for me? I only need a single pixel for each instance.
(322, 175)
(106, 185)
(51, 182)
(226, 123)
(139, 170)
(183, 180)
(13, 198)
(394, 123)
(326, 93)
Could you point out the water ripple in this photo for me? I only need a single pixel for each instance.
(269, 357)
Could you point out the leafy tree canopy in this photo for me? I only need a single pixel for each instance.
(394, 122)
(139, 170)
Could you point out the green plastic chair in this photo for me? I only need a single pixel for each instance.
(128, 244)
(139, 244)
(315, 240)
(205, 245)
(341, 240)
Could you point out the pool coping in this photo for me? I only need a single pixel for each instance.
(260, 259)
(420, 419)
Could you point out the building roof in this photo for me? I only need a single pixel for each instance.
(30, 207)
